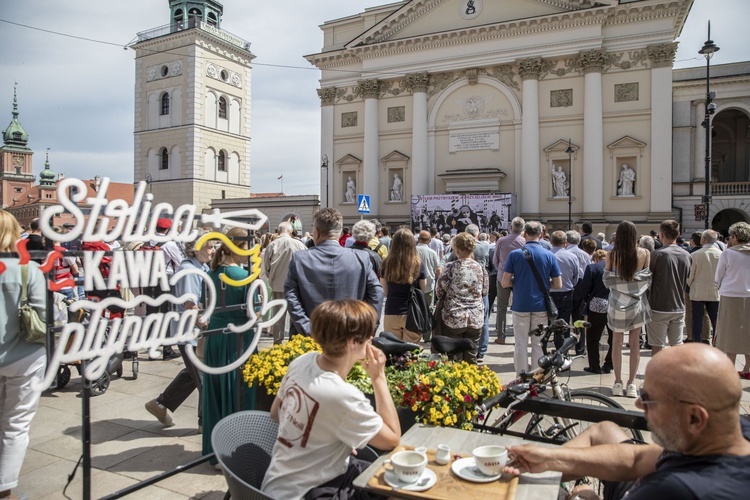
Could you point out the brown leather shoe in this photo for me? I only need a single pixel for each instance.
(500, 340)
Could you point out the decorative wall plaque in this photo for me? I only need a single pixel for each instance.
(470, 141)
(397, 114)
(349, 119)
(625, 92)
(470, 9)
(223, 75)
(561, 98)
(167, 70)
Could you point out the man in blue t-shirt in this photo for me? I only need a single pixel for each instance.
(529, 307)
(691, 397)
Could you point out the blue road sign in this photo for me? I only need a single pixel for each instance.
(363, 204)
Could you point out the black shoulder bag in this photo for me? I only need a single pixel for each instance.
(418, 314)
(551, 307)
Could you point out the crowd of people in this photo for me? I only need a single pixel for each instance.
(338, 282)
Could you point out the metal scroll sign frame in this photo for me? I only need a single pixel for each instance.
(137, 222)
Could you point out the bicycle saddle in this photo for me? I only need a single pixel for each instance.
(391, 345)
(447, 345)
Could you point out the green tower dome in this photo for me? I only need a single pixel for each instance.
(15, 135)
(47, 176)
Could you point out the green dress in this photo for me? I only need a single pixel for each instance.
(219, 391)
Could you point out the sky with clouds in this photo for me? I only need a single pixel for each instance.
(76, 96)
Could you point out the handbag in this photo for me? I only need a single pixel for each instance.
(549, 303)
(33, 329)
(418, 315)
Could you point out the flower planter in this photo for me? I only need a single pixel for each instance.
(263, 400)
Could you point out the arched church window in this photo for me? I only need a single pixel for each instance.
(222, 107)
(222, 161)
(178, 16)
(165, 103)
(194, 15)
(164, 165)
(212, 19)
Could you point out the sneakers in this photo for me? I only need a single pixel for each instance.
(160, 412)
(631, 391)
(617, 389)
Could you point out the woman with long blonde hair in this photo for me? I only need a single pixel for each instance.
(219, 391)
(20, 361)
(401, 270)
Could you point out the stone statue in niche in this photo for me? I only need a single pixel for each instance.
(627, 181)
(351, 189)
(397, 189)
(559, 182)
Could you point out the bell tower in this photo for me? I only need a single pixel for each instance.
(192, 107)
(16, 176)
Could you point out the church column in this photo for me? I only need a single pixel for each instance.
(370, 89)
(420, 176)
(593, 139)
(327, 96)
(661, 57)
(530, 70)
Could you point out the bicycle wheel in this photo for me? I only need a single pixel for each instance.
(563, 429)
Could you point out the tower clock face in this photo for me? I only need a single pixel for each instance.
(17, 160)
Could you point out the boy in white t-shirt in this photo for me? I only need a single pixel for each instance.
(321, 417)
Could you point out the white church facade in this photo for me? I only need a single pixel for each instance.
(554, 101)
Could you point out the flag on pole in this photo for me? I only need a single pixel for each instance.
(279, 177)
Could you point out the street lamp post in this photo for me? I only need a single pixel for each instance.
(324, 165)
(569, 151)
(708, 50)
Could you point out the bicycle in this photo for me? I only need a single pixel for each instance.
(561, 417)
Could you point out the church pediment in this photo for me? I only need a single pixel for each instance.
(420, 18)
(394, 156)
(348, 160)
(627, 142)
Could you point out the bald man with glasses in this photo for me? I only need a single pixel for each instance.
(690, 396)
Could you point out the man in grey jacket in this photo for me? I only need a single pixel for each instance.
(328, 272)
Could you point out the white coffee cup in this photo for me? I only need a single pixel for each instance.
(407, 465)
(490, 460)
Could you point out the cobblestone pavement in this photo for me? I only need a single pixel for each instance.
(129, 445)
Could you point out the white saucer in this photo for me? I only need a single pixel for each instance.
(394, 482)
(466, 468)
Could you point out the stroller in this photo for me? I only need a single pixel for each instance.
(114, 365)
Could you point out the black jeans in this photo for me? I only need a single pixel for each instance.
(594, 335)
(713, 312)
(564, 303)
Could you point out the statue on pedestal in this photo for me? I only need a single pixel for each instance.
(559, 182)
(626, 182)
(397, 189)
(351, 190)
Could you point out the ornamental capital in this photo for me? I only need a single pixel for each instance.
(327, 95)
(369, 89)
(417, 82)
(530, 68)
(662, 55)
(593, 60)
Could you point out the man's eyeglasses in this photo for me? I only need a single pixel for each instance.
(646, 400)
